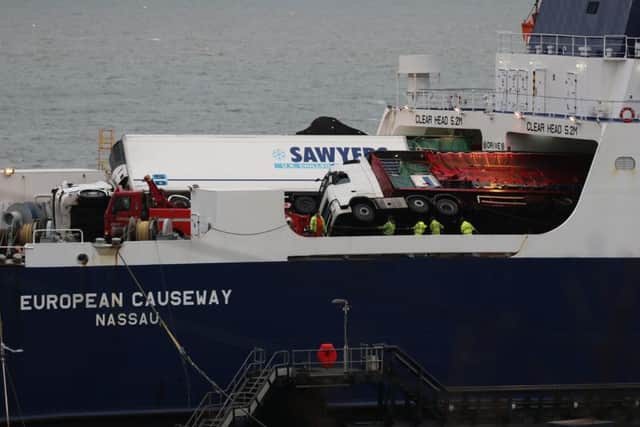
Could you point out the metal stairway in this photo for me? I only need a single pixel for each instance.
(391, 369)
(245, 391)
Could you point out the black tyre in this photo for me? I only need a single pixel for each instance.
(305, 205)
(363, 211)
(447, 207)
(418, 204)
(179, 201)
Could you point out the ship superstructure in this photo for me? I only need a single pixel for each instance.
(556, 307)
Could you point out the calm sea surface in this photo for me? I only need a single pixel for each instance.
(70, 67)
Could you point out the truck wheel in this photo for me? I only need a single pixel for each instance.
(447, 207)
(179, 201)
(305, 205)
(418, 204)
(363, 211)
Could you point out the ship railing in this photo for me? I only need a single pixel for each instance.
(363, 358)
(512, 101)
(607, 46)
(468, 99)
(52, 234)
(563, 107)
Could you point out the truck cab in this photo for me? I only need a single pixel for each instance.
(350, 191)
(141, 215)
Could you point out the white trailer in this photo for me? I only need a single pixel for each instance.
(292, 163)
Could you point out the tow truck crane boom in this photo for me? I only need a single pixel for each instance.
(157, 195)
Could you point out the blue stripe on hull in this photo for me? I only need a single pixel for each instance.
(470, 321)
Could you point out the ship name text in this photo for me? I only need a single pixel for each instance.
(125, 309)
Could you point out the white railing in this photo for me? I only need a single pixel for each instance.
(609, 46)
(509, 101)
(449, 99)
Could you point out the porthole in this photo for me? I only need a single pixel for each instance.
(625, 163)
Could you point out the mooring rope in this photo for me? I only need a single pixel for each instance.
(176, 343)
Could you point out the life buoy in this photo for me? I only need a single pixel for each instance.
(627, 118)
(327, 355)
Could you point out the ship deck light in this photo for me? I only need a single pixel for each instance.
(8, 171)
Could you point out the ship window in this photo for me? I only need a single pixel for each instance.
(592, 7)
(625, 163)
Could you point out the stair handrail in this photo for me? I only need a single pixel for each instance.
(271, 364)
(417, 368)
(282, 357)
(255, 358)
(206, 403)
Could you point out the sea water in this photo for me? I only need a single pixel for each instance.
(71, 67)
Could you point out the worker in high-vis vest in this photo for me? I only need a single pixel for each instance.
(467, 228)
(317, 227)
(419, 228)
(435, 227)
(389, 227)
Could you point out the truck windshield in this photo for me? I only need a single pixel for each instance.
(340, 178)
(121, 204)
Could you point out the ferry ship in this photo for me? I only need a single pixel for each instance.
(552, 306)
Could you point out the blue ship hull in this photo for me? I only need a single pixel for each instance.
(470, 321)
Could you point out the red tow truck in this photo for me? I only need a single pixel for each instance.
(138, 215)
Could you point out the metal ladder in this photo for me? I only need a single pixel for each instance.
(105, 142)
